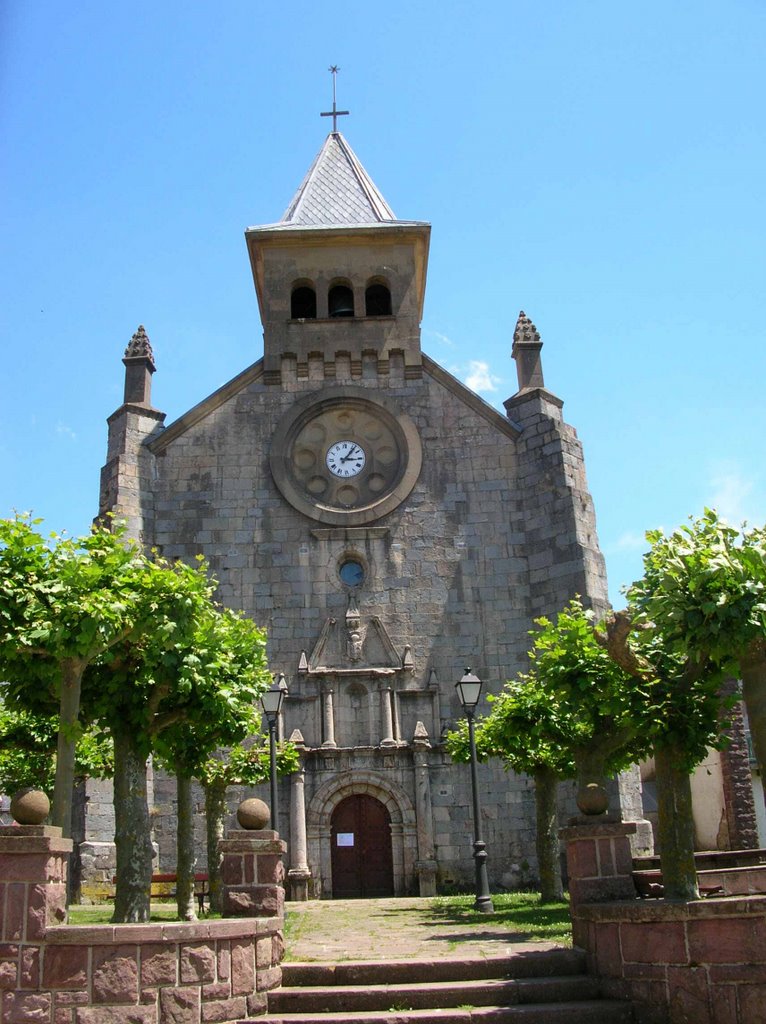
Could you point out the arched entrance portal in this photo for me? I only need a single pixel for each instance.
(362, 861)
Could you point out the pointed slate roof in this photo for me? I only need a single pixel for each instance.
(337, 190)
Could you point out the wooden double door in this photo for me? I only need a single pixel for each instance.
(362, 861)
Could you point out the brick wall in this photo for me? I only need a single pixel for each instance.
(696, 962)
(169, 973)
(702, 962)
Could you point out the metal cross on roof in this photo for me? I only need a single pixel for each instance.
(334, 113)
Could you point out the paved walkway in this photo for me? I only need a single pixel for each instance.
(392, 929)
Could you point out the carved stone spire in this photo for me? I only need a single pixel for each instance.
(526, 352)
(139, 367)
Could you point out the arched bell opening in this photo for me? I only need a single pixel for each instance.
(303, 303)
(340, 301)
(377, 300)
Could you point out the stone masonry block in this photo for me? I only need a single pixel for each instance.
(198, 963)
(242, 968)
(582, 861)
(159, 965)
(115, 975)
(730, 940)
(668, 942)
(26, 1008)
(225, 1010)
(66, 967)
(15, 912)
(223, 955)
(689, 994)
(180, 1005)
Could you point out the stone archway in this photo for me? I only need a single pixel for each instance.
(403, 827)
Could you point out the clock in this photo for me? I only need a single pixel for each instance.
(345, 457)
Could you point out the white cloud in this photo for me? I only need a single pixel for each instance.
(65, 431)
(479, 377)
(731, 490)
(442, 338)
(630, 541)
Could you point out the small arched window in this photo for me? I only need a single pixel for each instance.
(303, 303)
(340, 301)
(377, 300)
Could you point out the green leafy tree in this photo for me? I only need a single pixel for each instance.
(64, 602)
(28, 751)
(573, 715)
(240, 766)
(219, 678)
(690, 621)
(704, 590)
(165, 691)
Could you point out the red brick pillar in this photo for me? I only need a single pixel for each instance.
(33, 868)
(599, 861)
(253, 873)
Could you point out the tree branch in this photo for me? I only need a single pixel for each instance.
(615, 641)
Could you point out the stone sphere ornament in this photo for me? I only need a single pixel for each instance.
(30, 806)
(253, 814)
(592, 799)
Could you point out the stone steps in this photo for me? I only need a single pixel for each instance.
(536, 987)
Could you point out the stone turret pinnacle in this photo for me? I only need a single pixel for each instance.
(139, 367)
(526, 352)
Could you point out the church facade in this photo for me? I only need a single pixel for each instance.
(385, 524)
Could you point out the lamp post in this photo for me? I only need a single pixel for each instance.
(469, 691)
(271, 702)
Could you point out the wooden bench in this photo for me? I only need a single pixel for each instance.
(164, 884)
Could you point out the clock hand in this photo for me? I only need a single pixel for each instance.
(355, 452)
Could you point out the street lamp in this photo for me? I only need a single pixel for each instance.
(271, 702)
(469, 691)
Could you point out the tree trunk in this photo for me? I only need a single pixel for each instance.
(216, 810)
(132, 835)
(69, 714)
(548, 854)
(185, 858)
(74, 876)
(753, 669)
(676, 825)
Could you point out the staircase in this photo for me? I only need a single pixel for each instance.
(531, 986)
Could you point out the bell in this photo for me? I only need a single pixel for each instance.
(341, 302)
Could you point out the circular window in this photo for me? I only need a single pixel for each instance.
(351, 573)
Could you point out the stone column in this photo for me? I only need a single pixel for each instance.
(299, 874)
(328, 718)
(386, 718)
(33, 872)
(426, 863)
(599, 861)
(252, 872)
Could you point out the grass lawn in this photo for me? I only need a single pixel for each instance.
(101, 913)
(522, 913)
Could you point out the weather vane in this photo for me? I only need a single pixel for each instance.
(334, 113)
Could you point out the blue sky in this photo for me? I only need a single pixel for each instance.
(599, 165)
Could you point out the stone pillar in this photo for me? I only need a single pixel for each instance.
(328, 718)
(599, 861)
(386, 718)
(252, 872)
(33, 872)
(426, 863)
(299, 874)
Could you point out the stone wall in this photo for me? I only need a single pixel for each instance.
(169, 973)
(696, 962)
(702, 962)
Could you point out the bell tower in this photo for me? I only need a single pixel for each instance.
(340, 281)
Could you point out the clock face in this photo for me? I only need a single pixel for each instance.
(344, 458)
